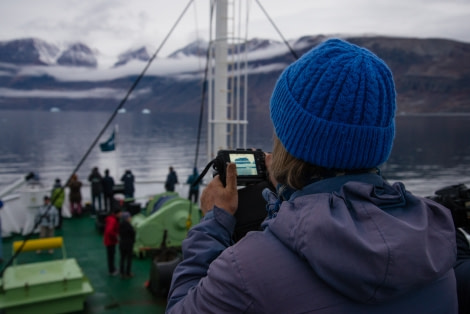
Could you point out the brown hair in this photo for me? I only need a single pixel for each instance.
(286, 169)
(296, 173)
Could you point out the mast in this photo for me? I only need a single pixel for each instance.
(227, 112)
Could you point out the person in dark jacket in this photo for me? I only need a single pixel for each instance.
(108, 185)
(128, 180)
(96, 181)
(126, 244)
(193, 194)
(337, 238)
(171, 180)
(111, 239)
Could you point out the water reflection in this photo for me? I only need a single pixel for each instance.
(429, 151)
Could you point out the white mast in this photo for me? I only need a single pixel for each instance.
(221, 75)
(227, 98)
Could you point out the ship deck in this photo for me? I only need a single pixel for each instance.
(112, 294)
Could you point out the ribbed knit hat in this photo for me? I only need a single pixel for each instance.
(335, 107)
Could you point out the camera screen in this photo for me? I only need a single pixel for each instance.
(246, 164)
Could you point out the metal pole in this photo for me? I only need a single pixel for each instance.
(220, 77)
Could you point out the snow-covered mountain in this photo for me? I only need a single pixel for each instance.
(140, 54)
(431, 75)
(33, 51)
(78, 55)
(196, 48)
(30, 51)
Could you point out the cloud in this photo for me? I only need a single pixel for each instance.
(115, 26)
(108, 93)
(160, 67)
(183, 67)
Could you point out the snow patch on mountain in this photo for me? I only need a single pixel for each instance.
(78, 55)
(76, 62)
(48, 53)
(140, 54)
(197, 48)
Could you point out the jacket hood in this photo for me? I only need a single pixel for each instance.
(367, 239)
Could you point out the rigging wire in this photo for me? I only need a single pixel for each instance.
(204, 90)
(201, 111)
(204, 87)
(198, 137)
(131, 89)
(124, 100)
(87, 153)
(278, 31)
(196, 31)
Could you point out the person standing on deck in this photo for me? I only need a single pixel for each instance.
(47, 219)
(128, 180)
(126, 245)
(96, 181)
(108, 185)
(75, 195)
(57, 197)
(171, 180)
(193, 194)
(338, 238)
(110, 239)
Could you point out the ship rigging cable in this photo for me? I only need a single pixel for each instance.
(85, 156)
(203, 95)
(278, 31)
(124, 100)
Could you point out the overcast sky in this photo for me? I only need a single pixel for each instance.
(113, 26)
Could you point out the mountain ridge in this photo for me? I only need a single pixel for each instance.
(431, 75)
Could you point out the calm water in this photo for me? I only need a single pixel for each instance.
(429, 151)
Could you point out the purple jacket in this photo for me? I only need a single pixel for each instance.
(350, 244)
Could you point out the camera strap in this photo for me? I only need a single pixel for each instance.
(203, 173)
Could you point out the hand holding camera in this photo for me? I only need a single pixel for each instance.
(225, 197)
(251, 165)
(233, 168)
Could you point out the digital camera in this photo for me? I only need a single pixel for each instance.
(251, 166)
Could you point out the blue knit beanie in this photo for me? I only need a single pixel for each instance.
(335, 107)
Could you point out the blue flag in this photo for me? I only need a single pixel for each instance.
(109, 145)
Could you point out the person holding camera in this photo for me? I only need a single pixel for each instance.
(338, 238)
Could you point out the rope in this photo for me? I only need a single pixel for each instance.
(93, 144)
(278, 31)
(199, 129)
(204, 90)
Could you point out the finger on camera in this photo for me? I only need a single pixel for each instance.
(216, 181)
(231, 178)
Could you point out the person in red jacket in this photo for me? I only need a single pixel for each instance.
(111, 233)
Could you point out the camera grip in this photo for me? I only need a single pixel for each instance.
(220, 169)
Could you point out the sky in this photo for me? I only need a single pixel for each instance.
(113, 26)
